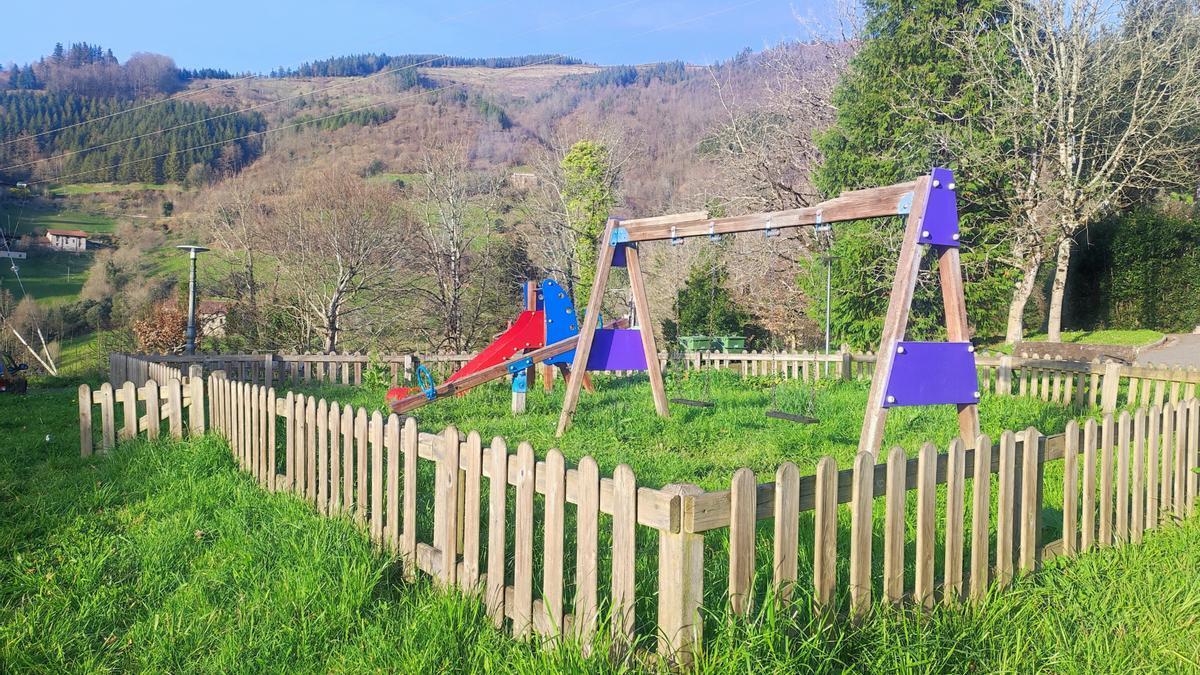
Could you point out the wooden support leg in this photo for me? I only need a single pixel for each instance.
(894, 323)
(642, 306)
(547, 378)
(587, 331)
(957, 330)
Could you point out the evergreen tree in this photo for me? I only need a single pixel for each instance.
(904, 106)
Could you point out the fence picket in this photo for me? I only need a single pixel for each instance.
(1105, 501)
(861, 502)
(335, 458)
(1153, 457)
(926, 514)
(410, 440)
(1031, 499)
(1181, 464)
(85, 421)
(310, 449)
(497, 505)
(322, 491)
(377, 513)
(743, 501)
(981, 504)
(1138, 490)
(153, 410)
(825, 533)
(624, 558)
(893, 533)
(272, 424)
(1166, 462)
(362, 453)
(1087, 518)
(107, 417)
(1070, 523)
(1193, 453)
(952, 569)
(1005, 509)
(129, 411)
(552, 550)
(447, 478)
(391, 442)
(787, 529)
(1122, 517)
(522, 611)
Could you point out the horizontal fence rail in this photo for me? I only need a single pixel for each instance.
(1110, 385)
(474, 515)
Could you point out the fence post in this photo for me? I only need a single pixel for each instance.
(107, 417)
(85, 420)
(847, 363)
(1112, 383)
(680, 587)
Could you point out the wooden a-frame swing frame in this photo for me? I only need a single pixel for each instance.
(902, 199)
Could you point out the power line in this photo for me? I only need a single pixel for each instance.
(319, 90)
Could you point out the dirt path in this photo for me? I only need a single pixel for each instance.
(1179, 350)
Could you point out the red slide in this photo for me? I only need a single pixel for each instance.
(527, 332)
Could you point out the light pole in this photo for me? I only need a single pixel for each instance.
(191, 325)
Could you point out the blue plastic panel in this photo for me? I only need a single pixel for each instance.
(932, 373)
(561, 321)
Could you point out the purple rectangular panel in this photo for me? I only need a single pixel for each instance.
(932, 373)
(939, 226)
(617, 349)
(619, 255)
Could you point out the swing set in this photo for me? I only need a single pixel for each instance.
(906, 373)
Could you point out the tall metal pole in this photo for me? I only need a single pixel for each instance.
(191, 323)
(828, 287)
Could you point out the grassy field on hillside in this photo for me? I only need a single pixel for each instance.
(73, 189)
(1130, 338)
(50, 277)
(25, 219)
(163, 557)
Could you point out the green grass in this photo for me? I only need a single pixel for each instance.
(26, 219)
(73, 189)
(1128, 338)
(45, 276)
(162, 557)
(617, 424)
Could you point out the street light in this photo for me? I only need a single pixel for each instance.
(191, 326)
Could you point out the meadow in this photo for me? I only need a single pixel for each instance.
(162, 556)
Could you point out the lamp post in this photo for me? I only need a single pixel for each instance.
(191, 325)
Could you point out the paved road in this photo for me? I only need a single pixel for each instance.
(1179, 350)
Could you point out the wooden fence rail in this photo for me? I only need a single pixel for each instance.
(483, 505)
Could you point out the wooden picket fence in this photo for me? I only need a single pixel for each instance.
(1110, 385)
(488, 510)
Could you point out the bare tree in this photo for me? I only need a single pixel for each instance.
(340, 243)
(1096, 105)
(453, 247)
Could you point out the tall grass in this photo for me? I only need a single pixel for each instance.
(163, 557)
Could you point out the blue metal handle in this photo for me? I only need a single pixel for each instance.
(425, 381)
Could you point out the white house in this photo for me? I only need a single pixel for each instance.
(67, 240)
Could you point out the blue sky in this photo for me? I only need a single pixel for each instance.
(260, 35)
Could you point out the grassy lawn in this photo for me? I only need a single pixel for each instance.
(705, 446)
(100, 188)
(163, 557)
(1130, 338)
(50, 277)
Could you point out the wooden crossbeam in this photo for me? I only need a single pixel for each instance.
(856, 205)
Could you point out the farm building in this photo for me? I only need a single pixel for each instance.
(67, 240)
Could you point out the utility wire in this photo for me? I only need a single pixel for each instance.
(348, 82)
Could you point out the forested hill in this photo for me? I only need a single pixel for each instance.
(366, 64)
(150, 144)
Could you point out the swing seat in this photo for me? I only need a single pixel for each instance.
(792, 417)
(693, 403)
